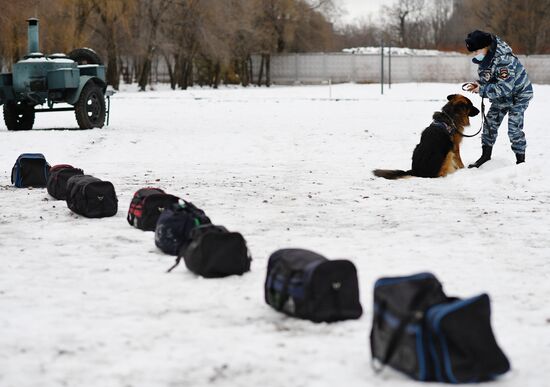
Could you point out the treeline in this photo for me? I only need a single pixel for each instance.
(444, 24)
(200, 41)
(212, 41)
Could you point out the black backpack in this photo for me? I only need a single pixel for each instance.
(304, 284)
(146, 207)
(173, 230)
(214, 252)
(57, 181)
(30, 170)
(91, 197)
(421, 332)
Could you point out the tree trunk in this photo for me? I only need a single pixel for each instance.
(250, 70)
(178, 69)
(171, 74)
(113, 75)
(144, 74)
(268, 70)
(186, 69)
(217, 73)
(135, 69)
(189, 76)
(245, 81)
(403, 37)
(261, 73)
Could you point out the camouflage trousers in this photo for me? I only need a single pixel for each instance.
(496, 115)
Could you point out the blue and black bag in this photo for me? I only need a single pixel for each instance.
(30, 170)
(421, 332)
(174, 226)
(306, 285)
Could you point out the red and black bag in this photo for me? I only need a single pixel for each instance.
(146, 207)
(57, 181)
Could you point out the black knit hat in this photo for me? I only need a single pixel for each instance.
(478, 39)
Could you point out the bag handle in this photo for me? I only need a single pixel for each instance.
(280, 269)
(178, 260)
(415, 316)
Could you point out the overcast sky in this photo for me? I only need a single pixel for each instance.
(357, 9)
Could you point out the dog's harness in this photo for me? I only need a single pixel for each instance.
(448, 128)
(451, 129)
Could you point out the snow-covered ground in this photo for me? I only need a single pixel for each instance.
(87, 302)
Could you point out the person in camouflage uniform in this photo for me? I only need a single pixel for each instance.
(504, 81)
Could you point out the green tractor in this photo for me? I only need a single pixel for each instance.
(77, 79)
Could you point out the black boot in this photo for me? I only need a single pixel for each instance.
(485, 156)
(520, 158)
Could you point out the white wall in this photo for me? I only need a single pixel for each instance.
(343, 67)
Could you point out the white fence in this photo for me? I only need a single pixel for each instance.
(317, 68)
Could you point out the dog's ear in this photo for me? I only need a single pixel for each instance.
(473, 111)
(451, 97)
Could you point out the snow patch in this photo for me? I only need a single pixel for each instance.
(400, 51)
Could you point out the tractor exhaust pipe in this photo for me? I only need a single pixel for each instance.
(33, 35)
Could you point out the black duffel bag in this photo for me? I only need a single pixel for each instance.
(306, 285)
(91, 197)
(59, 176)
(173, 229)
(421, 332)
(214, 252)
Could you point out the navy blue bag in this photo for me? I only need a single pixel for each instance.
(306, 285)
(421, 332)
(174, 226)
(461, 341)
(30, 170)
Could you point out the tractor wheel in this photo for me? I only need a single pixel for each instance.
(84, 56)
(90, 107)
(18, 116)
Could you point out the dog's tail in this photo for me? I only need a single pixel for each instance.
(391, 174)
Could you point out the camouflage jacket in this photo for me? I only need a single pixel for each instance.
(502, 78)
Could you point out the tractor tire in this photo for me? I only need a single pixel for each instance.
(18, 116)
(84, 56)
(90, 108)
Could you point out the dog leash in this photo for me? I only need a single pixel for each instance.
(483, 117)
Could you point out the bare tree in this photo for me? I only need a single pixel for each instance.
(313, 31)
(532, 27)
(113, 17)
(523, 23)
(155, 11)
(441, 14)
(404, 17)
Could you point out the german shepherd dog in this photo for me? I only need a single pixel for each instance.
(438, 152)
